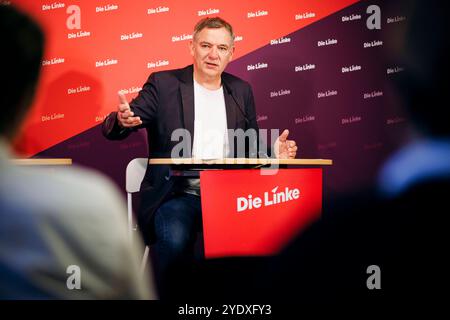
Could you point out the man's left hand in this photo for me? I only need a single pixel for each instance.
(284, 148)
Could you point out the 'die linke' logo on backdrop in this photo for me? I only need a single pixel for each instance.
(269, 198)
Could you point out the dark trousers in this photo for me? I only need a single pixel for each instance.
(177, 223)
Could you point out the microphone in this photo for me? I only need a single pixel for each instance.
(260, 154)
(230, 91)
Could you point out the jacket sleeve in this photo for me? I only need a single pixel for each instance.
(111, 129)
(145, 106)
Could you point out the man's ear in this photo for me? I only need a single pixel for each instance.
(232, 52)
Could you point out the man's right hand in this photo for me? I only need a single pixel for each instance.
(125, 117)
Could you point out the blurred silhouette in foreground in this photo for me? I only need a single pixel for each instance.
(63, 233)
(387, 245)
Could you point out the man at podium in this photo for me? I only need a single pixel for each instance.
(205, 103)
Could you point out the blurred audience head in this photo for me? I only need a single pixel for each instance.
(20, 61)
(425, 55)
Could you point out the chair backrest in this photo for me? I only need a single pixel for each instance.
(135, 174)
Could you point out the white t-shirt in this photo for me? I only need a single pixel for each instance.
(210, 124)
(210, 129)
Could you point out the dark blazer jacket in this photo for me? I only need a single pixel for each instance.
(166, 103)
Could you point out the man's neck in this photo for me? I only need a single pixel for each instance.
(208, 83)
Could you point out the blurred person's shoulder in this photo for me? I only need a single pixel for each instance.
(75, 200)
(60, 184)
(71, 216)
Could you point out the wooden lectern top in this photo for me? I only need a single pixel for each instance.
(42, 162)
(249, 161)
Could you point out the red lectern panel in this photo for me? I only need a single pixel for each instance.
(247, 213)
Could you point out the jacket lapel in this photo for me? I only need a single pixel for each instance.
(187, 100)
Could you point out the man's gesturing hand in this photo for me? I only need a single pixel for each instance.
(284, 148)
(125, 116)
